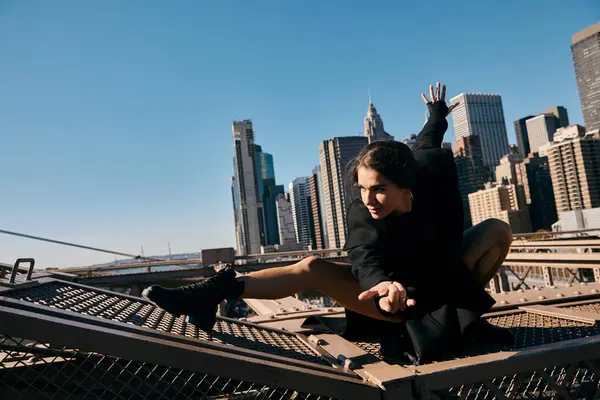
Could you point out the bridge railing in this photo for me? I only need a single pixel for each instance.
(550, 262)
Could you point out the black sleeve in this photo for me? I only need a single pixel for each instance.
(365, 245)
(432, 134)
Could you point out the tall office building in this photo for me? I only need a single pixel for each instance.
(521, 134)
(541, 130)
(374, 126)
(586, 59)
(317, 209)
(287, 232)
(270, 192)
(301, 212)
(534, 174)
(561, 115)
(472, 174)
(246, 190)
(504, 202)
(482, 115)
(267, 166)
(574, 158)
(335, 156)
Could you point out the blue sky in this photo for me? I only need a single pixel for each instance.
(116, 115)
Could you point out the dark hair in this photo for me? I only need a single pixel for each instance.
(394, 160)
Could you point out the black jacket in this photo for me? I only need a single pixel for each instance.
(421, 249)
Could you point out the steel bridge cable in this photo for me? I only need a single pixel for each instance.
(137, 257)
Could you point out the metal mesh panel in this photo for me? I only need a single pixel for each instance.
(34, 370)
(529, 330)
(114, 307)
(572, 381)
(593, 308)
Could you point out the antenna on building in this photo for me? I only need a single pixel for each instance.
(370, 102)
(169, 244)
(142, 250)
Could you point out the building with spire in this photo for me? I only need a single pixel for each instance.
(374, 125)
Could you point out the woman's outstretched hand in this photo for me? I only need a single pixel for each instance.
(392, 296)
(437, 96)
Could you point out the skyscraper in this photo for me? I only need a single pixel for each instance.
(534, 174)
(521, 134)
(246, 190)
(472, 175)
(574, 158)
(374, 126)
(269, 190)
(268, 167)
(270, 193)
(540, 130)
(317, 209)
(335, 156)
(561, 115)
(301, 212)
(287, 232)
(586, 59)
(482, 115)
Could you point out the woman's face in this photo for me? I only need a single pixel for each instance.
(381, 196)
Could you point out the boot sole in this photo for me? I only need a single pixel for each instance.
(145, 295)
(203, 322)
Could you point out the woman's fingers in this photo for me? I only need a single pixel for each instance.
(425, 99)
(443, 98)
(431, 94)
(368, 294)
(437, 91)
(394, 297)
(452, 107)
(385, 304)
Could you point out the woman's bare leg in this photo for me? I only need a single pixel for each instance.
(485, 248)
(333, 280)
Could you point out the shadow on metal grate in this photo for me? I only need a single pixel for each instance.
(34, 370)
(570, 381)
(529, 330)
(88, 301)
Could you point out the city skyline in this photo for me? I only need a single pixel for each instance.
(113, 141)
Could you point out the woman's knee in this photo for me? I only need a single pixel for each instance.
(500, 232)
(308, 265)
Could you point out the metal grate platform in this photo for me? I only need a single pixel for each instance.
(84, 300)
(33, 370)
(568, 381)
(86, 343)
(529, 330)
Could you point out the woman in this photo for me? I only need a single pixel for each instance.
(404, 234)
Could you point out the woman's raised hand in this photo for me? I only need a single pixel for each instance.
(437, 96)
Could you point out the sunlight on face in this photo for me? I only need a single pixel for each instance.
(381, 196)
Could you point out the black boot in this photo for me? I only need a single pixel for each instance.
(483, 332)
(200, 300)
